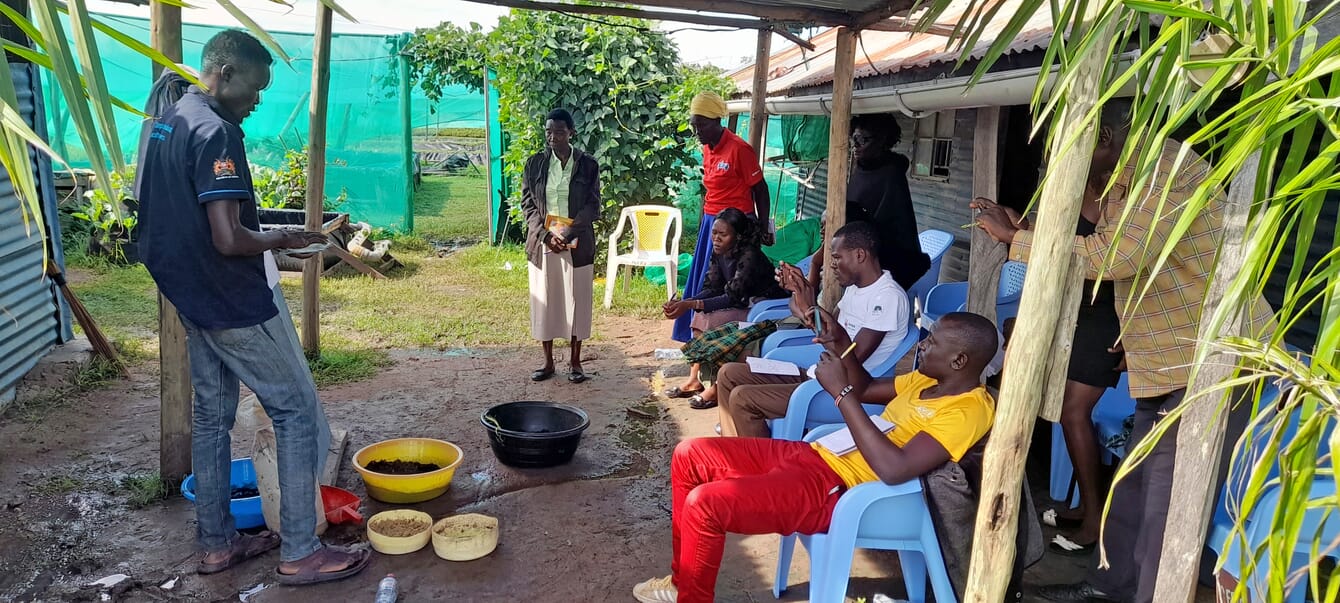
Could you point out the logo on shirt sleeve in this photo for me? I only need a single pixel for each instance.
(224, 168)
(877, 311)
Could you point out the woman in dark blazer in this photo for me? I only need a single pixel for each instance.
(561, 186)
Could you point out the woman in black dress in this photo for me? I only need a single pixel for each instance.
(877, 192)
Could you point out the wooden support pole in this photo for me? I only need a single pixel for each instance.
(407, 144)
(839, 150)
(1063, 339)
(174, 375)
(316, 177)
(1201, 434)
(994, 541)
(758, 113)
(987, 254)
(165, 32)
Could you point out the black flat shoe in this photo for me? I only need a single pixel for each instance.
(1073, 593)
(541, 374)
(577, 377)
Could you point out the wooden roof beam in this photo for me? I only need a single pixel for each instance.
(907, 26)
(789, 14)
(894, 7)
(638, 13)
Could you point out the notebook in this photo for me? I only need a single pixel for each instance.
(840, 442)
(766, 366)
(556, 224)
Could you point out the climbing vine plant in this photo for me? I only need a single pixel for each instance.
(621, 80)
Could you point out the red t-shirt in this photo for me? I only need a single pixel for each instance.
(729, 171)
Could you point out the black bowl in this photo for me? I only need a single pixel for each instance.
(534, 434)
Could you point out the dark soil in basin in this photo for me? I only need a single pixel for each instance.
(399, 467)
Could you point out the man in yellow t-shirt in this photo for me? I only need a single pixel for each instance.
(766, 486)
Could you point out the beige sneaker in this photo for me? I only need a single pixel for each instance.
(656, 590)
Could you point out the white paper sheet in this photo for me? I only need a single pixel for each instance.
(765, 366)
(840, 442)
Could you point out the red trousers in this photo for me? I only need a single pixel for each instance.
(741, 486)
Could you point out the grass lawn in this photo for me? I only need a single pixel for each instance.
(476, 296)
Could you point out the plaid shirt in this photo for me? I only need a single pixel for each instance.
(1159, 329)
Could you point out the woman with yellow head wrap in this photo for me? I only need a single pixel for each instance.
(732, 177)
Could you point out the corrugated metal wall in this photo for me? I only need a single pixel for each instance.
(33, 314)
(940, 204)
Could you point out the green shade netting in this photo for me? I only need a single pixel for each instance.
(368, 127)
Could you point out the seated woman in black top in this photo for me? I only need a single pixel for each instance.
(738, 274)
(877, 192)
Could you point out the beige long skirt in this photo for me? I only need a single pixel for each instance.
(561, 298)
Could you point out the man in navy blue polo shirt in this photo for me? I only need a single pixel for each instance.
(200, 238)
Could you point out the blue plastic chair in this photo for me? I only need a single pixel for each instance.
(764, 306)
(1221, 525)
(810, 406)
(934, 243)
(1321, 521)
(787, 337)
(873, 515)
(1109, 417)
(1010, 290)
(804, 265)
(953, 297)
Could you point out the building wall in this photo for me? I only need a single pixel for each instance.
(34, 316)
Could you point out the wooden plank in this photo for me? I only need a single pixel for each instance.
(795, 14)
(174, 374)
(1063, 339)
(339, 440)
(354, 261)
(654, 15)
(839, 150)
(758, 112)
(994, 541)
(1200, 437)
(174, 384)
(316, 177)
(987, 255)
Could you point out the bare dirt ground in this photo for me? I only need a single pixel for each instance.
(586, 531)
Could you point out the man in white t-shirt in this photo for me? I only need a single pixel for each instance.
(873, 311)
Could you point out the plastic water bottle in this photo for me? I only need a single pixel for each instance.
(386, 591)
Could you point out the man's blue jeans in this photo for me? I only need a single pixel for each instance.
(268, 358)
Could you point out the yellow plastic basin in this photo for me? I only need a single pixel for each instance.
(404, 489)
(399, 545)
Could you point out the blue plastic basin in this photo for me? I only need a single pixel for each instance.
(246, 511)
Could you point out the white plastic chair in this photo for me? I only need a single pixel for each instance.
(651, 228)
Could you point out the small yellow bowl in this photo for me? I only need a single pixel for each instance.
(399, 545)
(414, 488)
(465, 537)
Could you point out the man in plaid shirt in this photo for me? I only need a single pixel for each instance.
(1159, 329)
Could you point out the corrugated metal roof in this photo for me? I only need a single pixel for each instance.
(882, 52)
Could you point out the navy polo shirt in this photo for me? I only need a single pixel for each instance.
(195, 157)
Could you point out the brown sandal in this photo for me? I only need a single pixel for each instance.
(244, 547)
(312, 574)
